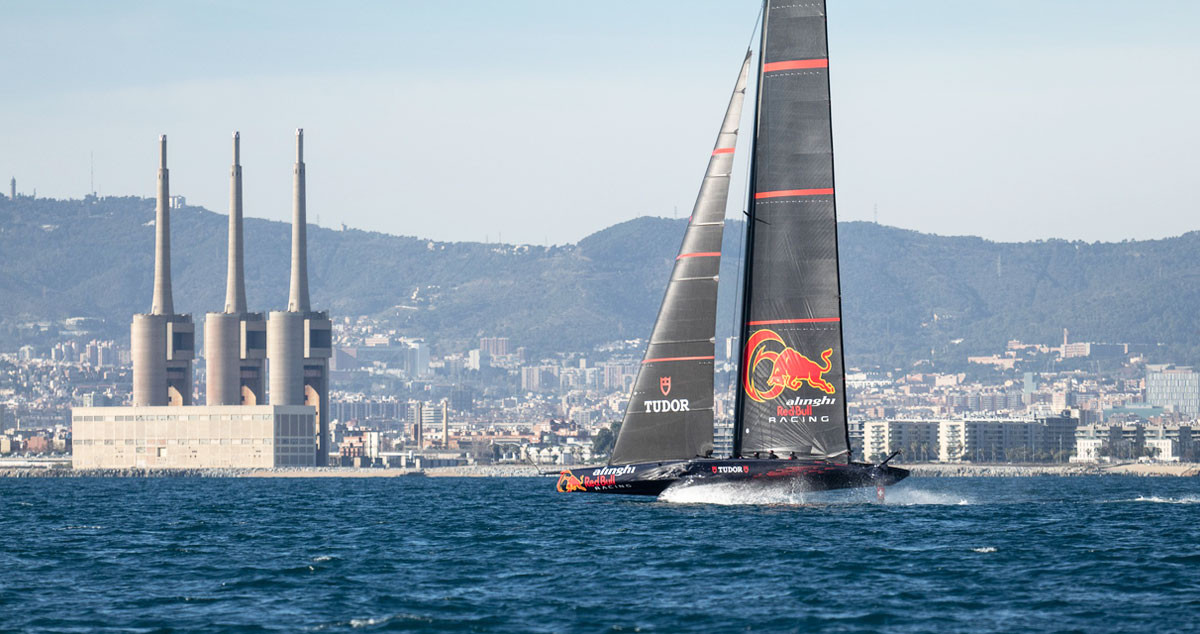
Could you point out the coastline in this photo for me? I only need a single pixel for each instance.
(919, 470)
(471, 471)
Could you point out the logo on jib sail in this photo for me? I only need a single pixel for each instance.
(656, 406)
(789, 368)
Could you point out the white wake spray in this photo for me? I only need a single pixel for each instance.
(792, 494)
(903, 496)
(1190, 499)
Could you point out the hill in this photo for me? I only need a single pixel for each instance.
(906, 294)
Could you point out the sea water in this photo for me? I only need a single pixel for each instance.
(956, 554)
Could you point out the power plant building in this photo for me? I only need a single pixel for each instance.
(252, 419)
(195, 437)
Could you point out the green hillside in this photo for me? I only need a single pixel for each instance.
(906, 294)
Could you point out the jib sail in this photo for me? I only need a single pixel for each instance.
(792, 395)
(670, 415)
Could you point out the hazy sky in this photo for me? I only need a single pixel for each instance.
(545, 121)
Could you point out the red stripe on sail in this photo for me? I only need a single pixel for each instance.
(709, 358)
(723, 150)
(794, 192)
(817, 320)
(796, 64)
(704, 254)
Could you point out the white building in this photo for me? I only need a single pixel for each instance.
(1175, 388)
(1169, 442)
(990, 440)
(1091, 442)
(975, 439)
(1163, 442)
(194, 437)
(882, 437)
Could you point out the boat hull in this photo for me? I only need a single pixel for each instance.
(652, 478)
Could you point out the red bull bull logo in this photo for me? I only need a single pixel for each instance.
(789, 368)
(568, 483)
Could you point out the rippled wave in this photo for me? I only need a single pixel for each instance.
(1191, 499)
(409, 554)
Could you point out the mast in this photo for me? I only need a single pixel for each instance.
(837, 256)
(670, 410)
(791, 394)
(739, 393)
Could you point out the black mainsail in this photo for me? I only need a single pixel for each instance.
(791, 396)
(670, 411)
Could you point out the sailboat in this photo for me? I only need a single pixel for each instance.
(790, 418)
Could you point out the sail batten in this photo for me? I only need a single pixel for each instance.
(791, 396)
(670, 411)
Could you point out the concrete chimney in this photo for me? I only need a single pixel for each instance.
(299, 340)
(298, 295)
(162, 343)
(235, 340)
(162, 304)
(235, 286)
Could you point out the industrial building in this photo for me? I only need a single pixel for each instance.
(267, 386)
(192, 437)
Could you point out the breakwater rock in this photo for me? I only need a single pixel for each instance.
(491, 471)
(465, 471)
(67, 472)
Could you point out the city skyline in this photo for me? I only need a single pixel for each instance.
(537, 125)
